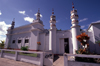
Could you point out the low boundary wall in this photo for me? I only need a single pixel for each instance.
(35, 60)
(69, 60)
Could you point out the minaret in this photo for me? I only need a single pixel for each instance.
(9, 37)
(13, 24)
(75, 28)
(38, 15)
(52, 33)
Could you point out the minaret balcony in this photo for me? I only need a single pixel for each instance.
(13, 24)
(52, 25)
(73, 11)
(75, 21)
(53, 20)
(38, 15)
(53, 16)
(74, 16)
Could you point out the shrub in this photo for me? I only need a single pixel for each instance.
(24, 48)
(2, 44)
(98, 42)
(83, 38)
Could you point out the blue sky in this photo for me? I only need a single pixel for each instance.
(24, 12)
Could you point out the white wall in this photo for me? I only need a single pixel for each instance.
(96, 28)
(91, 42)
(42, 40)
(7, 40)
(47, 42)
(29, 59)
(19, 36)
(34, 39)
(94, 33)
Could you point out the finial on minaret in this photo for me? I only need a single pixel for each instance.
(52, 11)
(72, 5)
(13, 19)
(38, 14)
(13, 23)
(38, 10)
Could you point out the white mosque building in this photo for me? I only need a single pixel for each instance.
(57, 41)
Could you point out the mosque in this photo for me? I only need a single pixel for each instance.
(36, 37)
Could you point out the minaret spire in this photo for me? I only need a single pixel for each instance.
(13, 23)
(38, 10)
(38, 14)
(73, 5)
(52, 11)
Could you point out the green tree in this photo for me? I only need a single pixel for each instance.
(2, 44)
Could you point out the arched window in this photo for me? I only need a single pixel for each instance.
(13, 41)
(19, 40)
(27, 40)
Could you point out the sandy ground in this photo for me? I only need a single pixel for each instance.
(9, 62)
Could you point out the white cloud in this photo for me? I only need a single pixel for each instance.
(0, 13)
(83, 19)
(40, 15)
(22, 12)
(84, 29)
(96, 21)
(2, 38)
(28, 19)
(82, 26)
(3, 29)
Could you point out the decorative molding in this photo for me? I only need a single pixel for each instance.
(74, 16)
(17, 28)
(19, 33)
(52, 21)
(36, 29)
(74, 21)
(25, 26)
(52, 16)
(52, 25)
(24, 32)
(36, 23)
